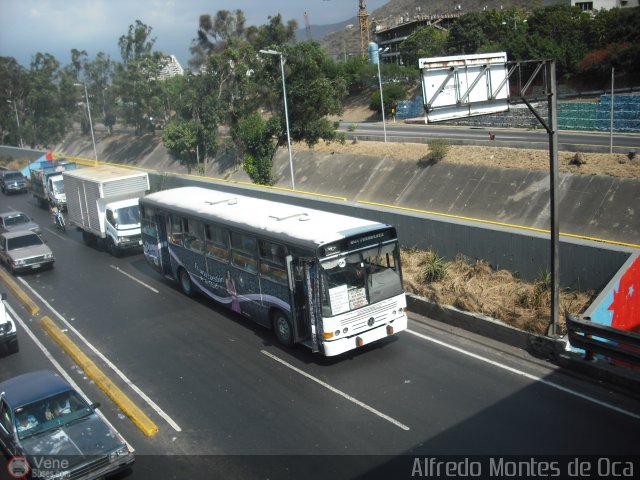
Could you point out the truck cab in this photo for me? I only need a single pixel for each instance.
(122, 224)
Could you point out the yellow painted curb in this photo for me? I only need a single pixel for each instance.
(137, 416)
(17, 292)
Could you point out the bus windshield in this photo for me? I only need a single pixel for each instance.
(360, 278)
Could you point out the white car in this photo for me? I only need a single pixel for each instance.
(8, 332)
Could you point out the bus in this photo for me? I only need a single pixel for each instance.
(328, 281)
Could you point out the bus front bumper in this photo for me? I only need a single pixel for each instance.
(353, 342)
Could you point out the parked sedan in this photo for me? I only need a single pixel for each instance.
(47, 424)
(13, 221)
(8, 333)
(24, 251)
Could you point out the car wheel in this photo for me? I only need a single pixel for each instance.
(282, 329)
(185, 282)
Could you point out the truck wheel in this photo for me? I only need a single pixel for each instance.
(185, 282)
(282, 329)
(88, 238)
(113, 250)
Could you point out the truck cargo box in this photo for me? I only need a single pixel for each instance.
(90, 189)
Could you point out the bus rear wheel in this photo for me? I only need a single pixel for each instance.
(185, 282)
(282, 329)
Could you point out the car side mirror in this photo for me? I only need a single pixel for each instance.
(95, 406)
(4, 297)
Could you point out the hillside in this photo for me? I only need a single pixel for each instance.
(346, 40)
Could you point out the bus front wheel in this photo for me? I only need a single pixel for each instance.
(185, 282)
(282, 329)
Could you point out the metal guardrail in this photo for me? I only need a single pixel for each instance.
(611, 342)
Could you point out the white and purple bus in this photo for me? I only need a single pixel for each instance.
(329, 281)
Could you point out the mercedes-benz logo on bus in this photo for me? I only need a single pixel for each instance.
(370, 322)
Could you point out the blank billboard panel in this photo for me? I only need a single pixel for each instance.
(464, 85)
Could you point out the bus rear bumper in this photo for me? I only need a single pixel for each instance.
(338, 346)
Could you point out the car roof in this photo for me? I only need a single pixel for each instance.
(19, 233)
(31, 387)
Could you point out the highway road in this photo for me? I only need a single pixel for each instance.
(231, 403)
(571, 141)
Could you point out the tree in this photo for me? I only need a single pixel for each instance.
(255, 135)
(13, 83)
(136, 79)
(215, 34)
(48, 102)
(183, 140)
(313, 92)
(424, 42)
(392, 93)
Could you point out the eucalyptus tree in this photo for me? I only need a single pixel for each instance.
(136, 80)
(98, 74)
(48, 102)
(13, 88)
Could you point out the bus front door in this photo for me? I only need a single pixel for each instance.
(304, 311)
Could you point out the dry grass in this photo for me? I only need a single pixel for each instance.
(616, 164)
(476, 287)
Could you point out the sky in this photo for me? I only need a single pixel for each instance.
(56, 27)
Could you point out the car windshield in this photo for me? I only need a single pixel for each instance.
(50, 413)
(13, 176)
(360, 278)
(14, 220)
(23, 241)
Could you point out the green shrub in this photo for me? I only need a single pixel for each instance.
(438, 148)
(431, 267)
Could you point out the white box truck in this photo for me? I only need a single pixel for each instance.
(102, 201)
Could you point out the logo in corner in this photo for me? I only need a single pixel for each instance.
(18, 467)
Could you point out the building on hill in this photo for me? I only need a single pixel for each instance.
(588, 5)
(392, 31)
(171, 69)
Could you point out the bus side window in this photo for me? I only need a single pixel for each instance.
(272, 261)
(147, 221)
(243, 252)
(194, 235)
(175, 233)
(217, 242)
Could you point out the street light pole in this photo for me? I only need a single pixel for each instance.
(384, 123)
(93, 138)
(286, 111)
(15, 107)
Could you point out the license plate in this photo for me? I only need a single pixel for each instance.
(35, 266)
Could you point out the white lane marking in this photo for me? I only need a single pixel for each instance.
(134, 387)
(339, 392)
(134, 279)
(527, 375)
(58, 367)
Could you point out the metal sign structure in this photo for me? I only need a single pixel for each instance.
(464, 85)
(468, 85)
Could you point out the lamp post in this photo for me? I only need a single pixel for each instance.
(93, 138)
(286, 111)
(15, 107)
(384, 123)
